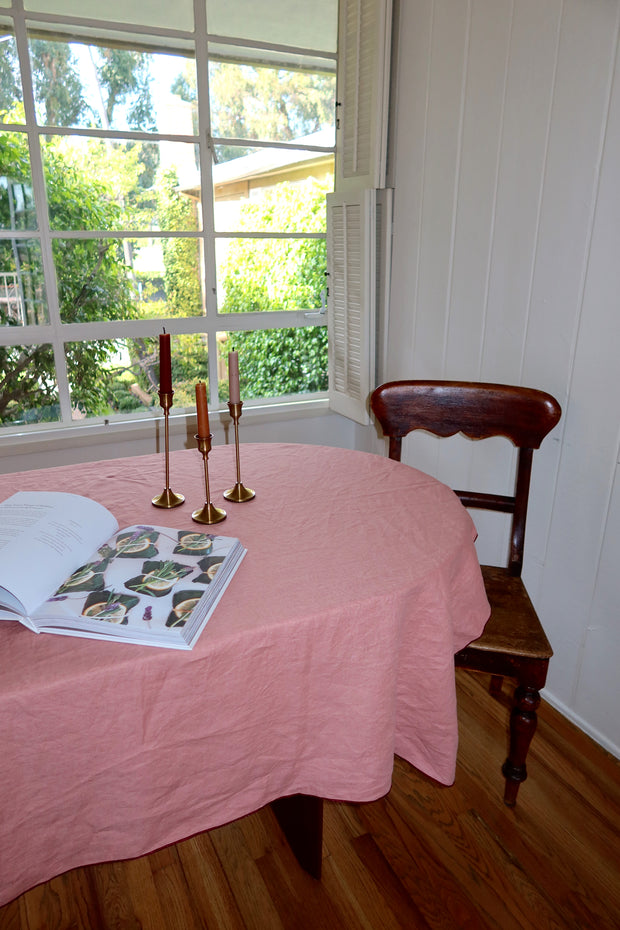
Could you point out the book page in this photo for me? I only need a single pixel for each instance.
(44, 537)
(145, 585)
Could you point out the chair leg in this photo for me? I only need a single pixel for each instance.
(495, 687)
(523, 721)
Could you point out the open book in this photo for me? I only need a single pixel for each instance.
(65, 567)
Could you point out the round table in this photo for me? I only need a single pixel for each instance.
(330, 651)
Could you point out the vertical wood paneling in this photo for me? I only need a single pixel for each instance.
(483, 90)
(577, 128)
(408, 145)
(588, 459)
(442, 148)
(506, 268)
(568, 199)
(599, 668)
(529, 91)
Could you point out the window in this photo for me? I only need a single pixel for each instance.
(166, 167)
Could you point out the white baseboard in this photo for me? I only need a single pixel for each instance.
(582, 724)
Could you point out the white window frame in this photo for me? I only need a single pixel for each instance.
(57, 333)
(363, 94)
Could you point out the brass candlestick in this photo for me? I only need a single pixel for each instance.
(238, 493)
(208, 513)
(167, 498)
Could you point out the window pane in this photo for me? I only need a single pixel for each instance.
(270, 274)
(290, 197)
(276, 362)
(11, 98)
(85, 85)
(282, 22)
(122, 376)
(28, 391)
(100, 184)
(126, 214)
(22, 292)
(124, 279)
(271, 104)
(177, 15)
(17, 209)
(168, 277)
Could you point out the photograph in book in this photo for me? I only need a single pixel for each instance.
(142, 584)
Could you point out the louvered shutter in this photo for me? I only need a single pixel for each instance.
(351, 302)
(357, 228)
(363, 93)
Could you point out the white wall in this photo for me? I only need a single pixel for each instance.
(506, 267)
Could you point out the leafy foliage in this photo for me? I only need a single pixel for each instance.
(106, 186)
(124, 77)
(92, 285)
(57, 84)
(289, 274)
(87, 193)
(10, 81)
(262, 103)
(182, 269)
(268, 103)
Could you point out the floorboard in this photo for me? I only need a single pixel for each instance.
(425, 857)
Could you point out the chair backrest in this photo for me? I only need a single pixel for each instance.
(478, 410)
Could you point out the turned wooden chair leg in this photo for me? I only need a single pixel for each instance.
(523, 721)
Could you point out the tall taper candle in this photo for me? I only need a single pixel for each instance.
(202, 410)
(233, 378)
(165, 367)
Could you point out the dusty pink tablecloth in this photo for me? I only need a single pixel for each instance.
(331, 650)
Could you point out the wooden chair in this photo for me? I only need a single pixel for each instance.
(513, 643)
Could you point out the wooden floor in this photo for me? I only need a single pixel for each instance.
(425, 856)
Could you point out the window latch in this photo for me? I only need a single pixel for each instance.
(313, 314)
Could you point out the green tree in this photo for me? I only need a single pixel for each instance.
(279, 274)
(57, 83)
(10, 82)
(182, 270)
(262, 103)
(124, 78)
(92, 285)
(268, 103)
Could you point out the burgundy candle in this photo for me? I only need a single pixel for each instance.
(165, 366)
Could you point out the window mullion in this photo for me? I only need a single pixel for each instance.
(206, 187)
(45, 240)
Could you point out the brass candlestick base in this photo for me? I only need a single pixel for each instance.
(167, 499)
(239, 493)
(208, 513)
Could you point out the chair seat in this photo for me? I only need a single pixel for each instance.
(513, 625)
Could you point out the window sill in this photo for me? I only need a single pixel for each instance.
(40, 448)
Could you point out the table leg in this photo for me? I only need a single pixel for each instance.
(301, 818)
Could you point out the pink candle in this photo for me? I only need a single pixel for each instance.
(165, 367)
(233, 378)
(202, 410)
